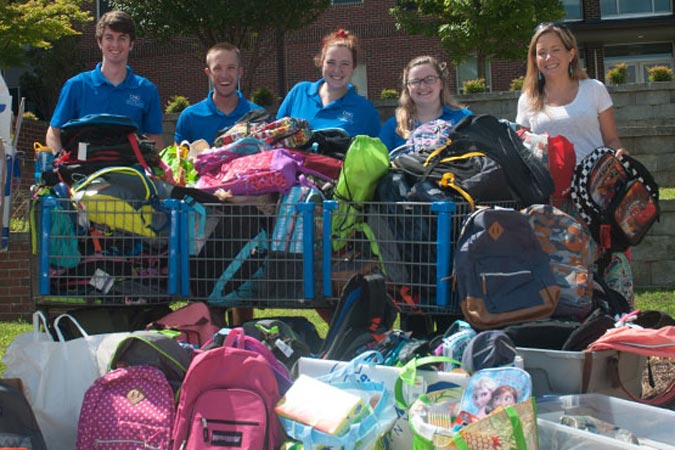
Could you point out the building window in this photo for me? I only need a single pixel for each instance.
(573, 9)
(468, 70)
(345, 2)
(102, 7)
(639, 58)
(613, 9)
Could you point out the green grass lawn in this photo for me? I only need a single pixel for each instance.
(663, 300)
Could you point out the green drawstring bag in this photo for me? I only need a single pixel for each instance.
(366, 161)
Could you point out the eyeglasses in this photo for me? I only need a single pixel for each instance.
(560, 25)
(428, 80)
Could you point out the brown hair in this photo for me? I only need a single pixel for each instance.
(223, 46)
(533, 86)
(118, 21)
(406, 110)
(339, 38)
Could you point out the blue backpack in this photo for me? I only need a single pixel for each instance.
(501, 274)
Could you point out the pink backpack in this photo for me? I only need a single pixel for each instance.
(237, 338)
(127, 408)
(192, 321)
(275, 170)
(227, 400)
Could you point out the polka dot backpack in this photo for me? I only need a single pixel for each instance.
(127, 408)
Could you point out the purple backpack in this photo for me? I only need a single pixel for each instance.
(227, 401)
(127, 408)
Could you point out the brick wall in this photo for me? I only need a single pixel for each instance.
(16, 298)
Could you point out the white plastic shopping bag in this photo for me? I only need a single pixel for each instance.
(56, 375)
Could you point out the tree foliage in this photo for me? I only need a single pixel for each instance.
(28, 24)
(50, 69)
(485, 28)
(250, 25)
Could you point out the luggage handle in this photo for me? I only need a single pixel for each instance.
(661, 399)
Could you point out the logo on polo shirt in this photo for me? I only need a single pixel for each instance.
(346, 117)
(135, 101)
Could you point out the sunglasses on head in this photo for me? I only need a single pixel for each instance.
(560, 25)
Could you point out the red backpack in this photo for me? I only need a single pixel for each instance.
(192, 321)
(127, 408)
(227, 400)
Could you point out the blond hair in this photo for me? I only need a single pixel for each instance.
(406, 110)
(533, 86)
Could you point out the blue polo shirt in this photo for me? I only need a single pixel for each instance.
(392, 140)
(203, 120)
(91, 93)
(353, 112)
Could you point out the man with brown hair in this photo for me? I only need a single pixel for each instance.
(112, 87)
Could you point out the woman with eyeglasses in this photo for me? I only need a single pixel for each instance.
(559, 98)
(332, 101)
(425, 96)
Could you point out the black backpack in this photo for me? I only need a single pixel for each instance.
(617, 197)
(97, 141)
(363, 315)
(18, 426)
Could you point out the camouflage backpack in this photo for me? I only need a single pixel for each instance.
(572, 253)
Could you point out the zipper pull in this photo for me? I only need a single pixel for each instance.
(484, 285)
(205, 429)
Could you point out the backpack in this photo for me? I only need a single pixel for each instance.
(288, 132)
(121, 198)
(127, 408)
(528, 179)
(237, 338)
(557, 154)
(333, 142)
(286, 345)
(18, 425)
(234, 250)
(276, 170)
(96, 141)
(572, 253)
(363, 314)
(191, 323)
(501, 274)
(367, 160)
(617, 197)
(150, 348)
(227, 400)
(430, 137)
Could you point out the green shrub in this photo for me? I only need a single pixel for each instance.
(474, 86)
(263, 96)
(517, 83)
(660, 73)
(389, 94)
(28, 115)
(618, 74)
(176, 104)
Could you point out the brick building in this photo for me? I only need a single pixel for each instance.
(640, 33)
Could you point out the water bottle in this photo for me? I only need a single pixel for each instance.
(43, 160)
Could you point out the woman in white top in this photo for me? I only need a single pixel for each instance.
(559, 98)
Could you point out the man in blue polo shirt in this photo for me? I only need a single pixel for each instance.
(224, 105)
(112, 87)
